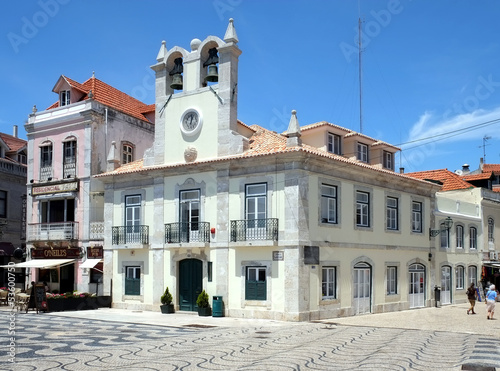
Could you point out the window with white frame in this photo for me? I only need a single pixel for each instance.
(255, 283)
(69, 158)
(459, 272)
(362, 152)
(472, 275)
(46, 162)
(328, 204)
(334, 142)
(362, 209)
(392, 280)
(255, 203)
(22, 158)
(392, 213)
(416, 217)
(64, 96)
(445, 238)
(459, 231)
(127, 153)
(329, 283)
(3, 204)
(473, 238)
(388, 160)
(491, 228)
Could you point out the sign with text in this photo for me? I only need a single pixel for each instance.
(278, 255)
(95, 252)
(55, 188)
(55, 253)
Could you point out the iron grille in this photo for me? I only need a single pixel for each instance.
(131, 234)
(187, 232)
(255, 229)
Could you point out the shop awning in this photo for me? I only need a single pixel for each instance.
(90, 263)
(41, 263)
(492, 265)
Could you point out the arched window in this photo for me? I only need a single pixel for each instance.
(460, 236)
(472, 238)
(459, 273)
(491, 227)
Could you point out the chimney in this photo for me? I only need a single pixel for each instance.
(14, 134)
(481, 164)
(465, 169)
(401, 170)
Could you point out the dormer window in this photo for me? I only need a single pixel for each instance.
(362, 152)
(64, 98)
(21, 158)
(334, 144)
(388, 160)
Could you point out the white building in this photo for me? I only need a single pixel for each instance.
(309, 224)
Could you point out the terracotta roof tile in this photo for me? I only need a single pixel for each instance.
(111, 97)
(479, 176)
(491, 167)
(449, 180)
(12, 142)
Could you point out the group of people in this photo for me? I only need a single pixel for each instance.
(490, 299)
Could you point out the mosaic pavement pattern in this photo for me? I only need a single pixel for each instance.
(60, 343)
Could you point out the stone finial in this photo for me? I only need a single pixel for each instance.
(34, 109)
(195, 43)
(91, 95)
(162, 52)
(293, 133)
(113, 160)
(230, 35)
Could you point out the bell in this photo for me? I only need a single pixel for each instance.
(212, 74)
(176, 82)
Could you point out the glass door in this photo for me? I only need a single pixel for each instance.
(362, 289)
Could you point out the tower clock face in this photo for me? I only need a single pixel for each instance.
(190, 122)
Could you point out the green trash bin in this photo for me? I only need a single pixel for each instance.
(217, 307)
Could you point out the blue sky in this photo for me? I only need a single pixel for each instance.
(430, 68)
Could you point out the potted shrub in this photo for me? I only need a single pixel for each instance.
(203, 304)
(166, 301)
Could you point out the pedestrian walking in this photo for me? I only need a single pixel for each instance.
(472, 296)
(491, 297)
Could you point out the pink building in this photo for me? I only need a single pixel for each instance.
(92, 128)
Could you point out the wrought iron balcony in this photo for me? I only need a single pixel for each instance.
(138, 234)
(256, 229)
(187, 232)
(53, 231)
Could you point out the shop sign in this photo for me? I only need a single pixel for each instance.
(95, 252)
(55, 188)
(56, 253)
(278, 255)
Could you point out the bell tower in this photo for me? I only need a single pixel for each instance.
(196, 101)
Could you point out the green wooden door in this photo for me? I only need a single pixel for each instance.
(190, 283)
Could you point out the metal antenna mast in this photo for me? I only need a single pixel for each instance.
(485, 138)
(360, 79)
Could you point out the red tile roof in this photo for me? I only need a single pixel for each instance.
(449, 180)
(262, 143)
(14, 144)
(111, 97)
(479, 176)
(491, 167)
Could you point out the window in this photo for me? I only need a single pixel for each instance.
(472, 274)
(459, 230)
(362, 209)
(445, 238)
(459, 272)
(22, 158)
(45, 162)
(56, 211)
(255, 287)
(392, 280)
(189, 217)
(329, 283)
(472, 238)
(491, 227)
(127, 153)
(64, 96)
(132, 280)
(387, 159)
(362, 153)
(255, 203)
(392, 213)
(334, 144)
(328, 204)
(132, 210)
(416, 217)
(69, 159)
(3, 204)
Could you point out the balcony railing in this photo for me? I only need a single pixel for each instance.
(53, 231)
(187, 232)
(256, 229)
(131, 234)
(96, 231)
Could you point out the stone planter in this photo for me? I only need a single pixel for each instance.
(167, 308)
(205, 312)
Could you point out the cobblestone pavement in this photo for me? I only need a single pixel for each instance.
(56, 341)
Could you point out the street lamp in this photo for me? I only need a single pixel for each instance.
(444, 226)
